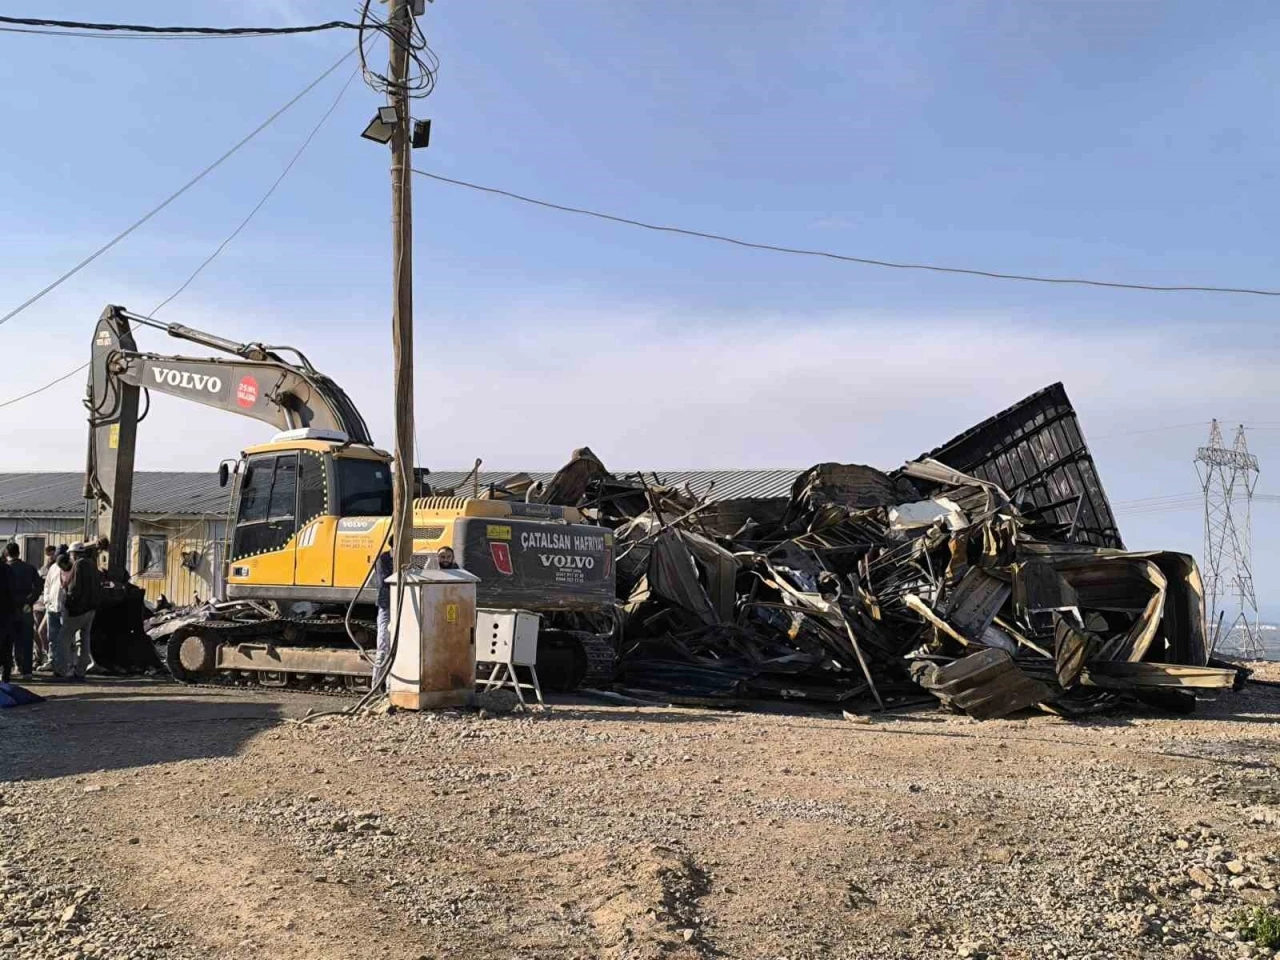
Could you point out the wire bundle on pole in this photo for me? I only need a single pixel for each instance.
(423, 63)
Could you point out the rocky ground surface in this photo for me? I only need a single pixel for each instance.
(155, 821)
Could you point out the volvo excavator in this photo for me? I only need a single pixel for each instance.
(310, 509)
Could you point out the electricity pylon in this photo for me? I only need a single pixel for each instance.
(1228, 476)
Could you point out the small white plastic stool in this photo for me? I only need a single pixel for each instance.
(507, 639)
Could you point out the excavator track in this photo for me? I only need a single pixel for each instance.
(568, 659)
(230, 683)
(199, 654)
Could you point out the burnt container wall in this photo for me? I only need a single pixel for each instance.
(1036, 452)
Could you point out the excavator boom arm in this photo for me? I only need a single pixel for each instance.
(265, 390)
(258, 384)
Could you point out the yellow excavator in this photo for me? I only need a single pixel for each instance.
(308, 512)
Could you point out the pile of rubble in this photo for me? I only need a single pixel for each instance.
(988, 573)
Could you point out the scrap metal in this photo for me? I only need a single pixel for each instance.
(990, 573)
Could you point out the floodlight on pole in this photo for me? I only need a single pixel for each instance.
(383, 125)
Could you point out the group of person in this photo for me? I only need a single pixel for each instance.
(46, 614)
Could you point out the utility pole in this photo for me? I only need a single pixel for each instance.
(402, 273)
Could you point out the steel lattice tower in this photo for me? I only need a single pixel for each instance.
(1228, 476)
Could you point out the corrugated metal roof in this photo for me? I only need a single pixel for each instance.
(198, 494)
(155, 493)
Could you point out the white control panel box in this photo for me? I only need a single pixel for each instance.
(507, 636)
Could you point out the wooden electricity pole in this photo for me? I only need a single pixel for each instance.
(402, 271)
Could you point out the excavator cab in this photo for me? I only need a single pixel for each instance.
(309, 512)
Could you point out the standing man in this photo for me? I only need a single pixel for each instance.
(56, 582)
(84, 593)
(6, 622)
(27, 587)
(382, 571)
(42, 620)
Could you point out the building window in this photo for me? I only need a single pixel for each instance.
(153, 556)
(33, 550)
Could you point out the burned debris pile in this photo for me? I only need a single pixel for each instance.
(989, 573)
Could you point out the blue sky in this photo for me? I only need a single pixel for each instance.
(1129, 140)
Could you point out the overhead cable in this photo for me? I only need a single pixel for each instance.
(41, 25)
(231, 236)
(866, 261)
(51, 383)
(265, 197)
(175, 195)
(1171, 426)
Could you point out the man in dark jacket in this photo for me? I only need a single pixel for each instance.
(84, 593)
(6, 623)
(27, 586)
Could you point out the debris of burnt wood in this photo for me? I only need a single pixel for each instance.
(990, 573)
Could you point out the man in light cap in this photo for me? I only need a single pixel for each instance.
(84, 592)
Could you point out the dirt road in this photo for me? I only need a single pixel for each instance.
(152, 820)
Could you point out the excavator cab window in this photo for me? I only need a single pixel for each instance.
(267, 516)
(255, 489)
(312, 501)
(364, 488)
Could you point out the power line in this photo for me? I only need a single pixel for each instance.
(265, 197)
(51, 383)
(40, 25)
(129, 36)
(231, 236)
(1164, 498)
(175, 195)
(1184, 426)
(866, 261)
(1172, 426)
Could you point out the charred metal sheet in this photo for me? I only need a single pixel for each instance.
(747, 519)
(986, 685)
(570, 482)
(850, 485)
(1073, 648)
(1036, 452)
(1123, 675)
(975, 601)
(1040, 593)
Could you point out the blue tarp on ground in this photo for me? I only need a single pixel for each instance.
(12, 695)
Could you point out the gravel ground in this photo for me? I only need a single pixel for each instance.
(156, 821)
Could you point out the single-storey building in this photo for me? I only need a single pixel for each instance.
(176, 538)
(180, 521)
